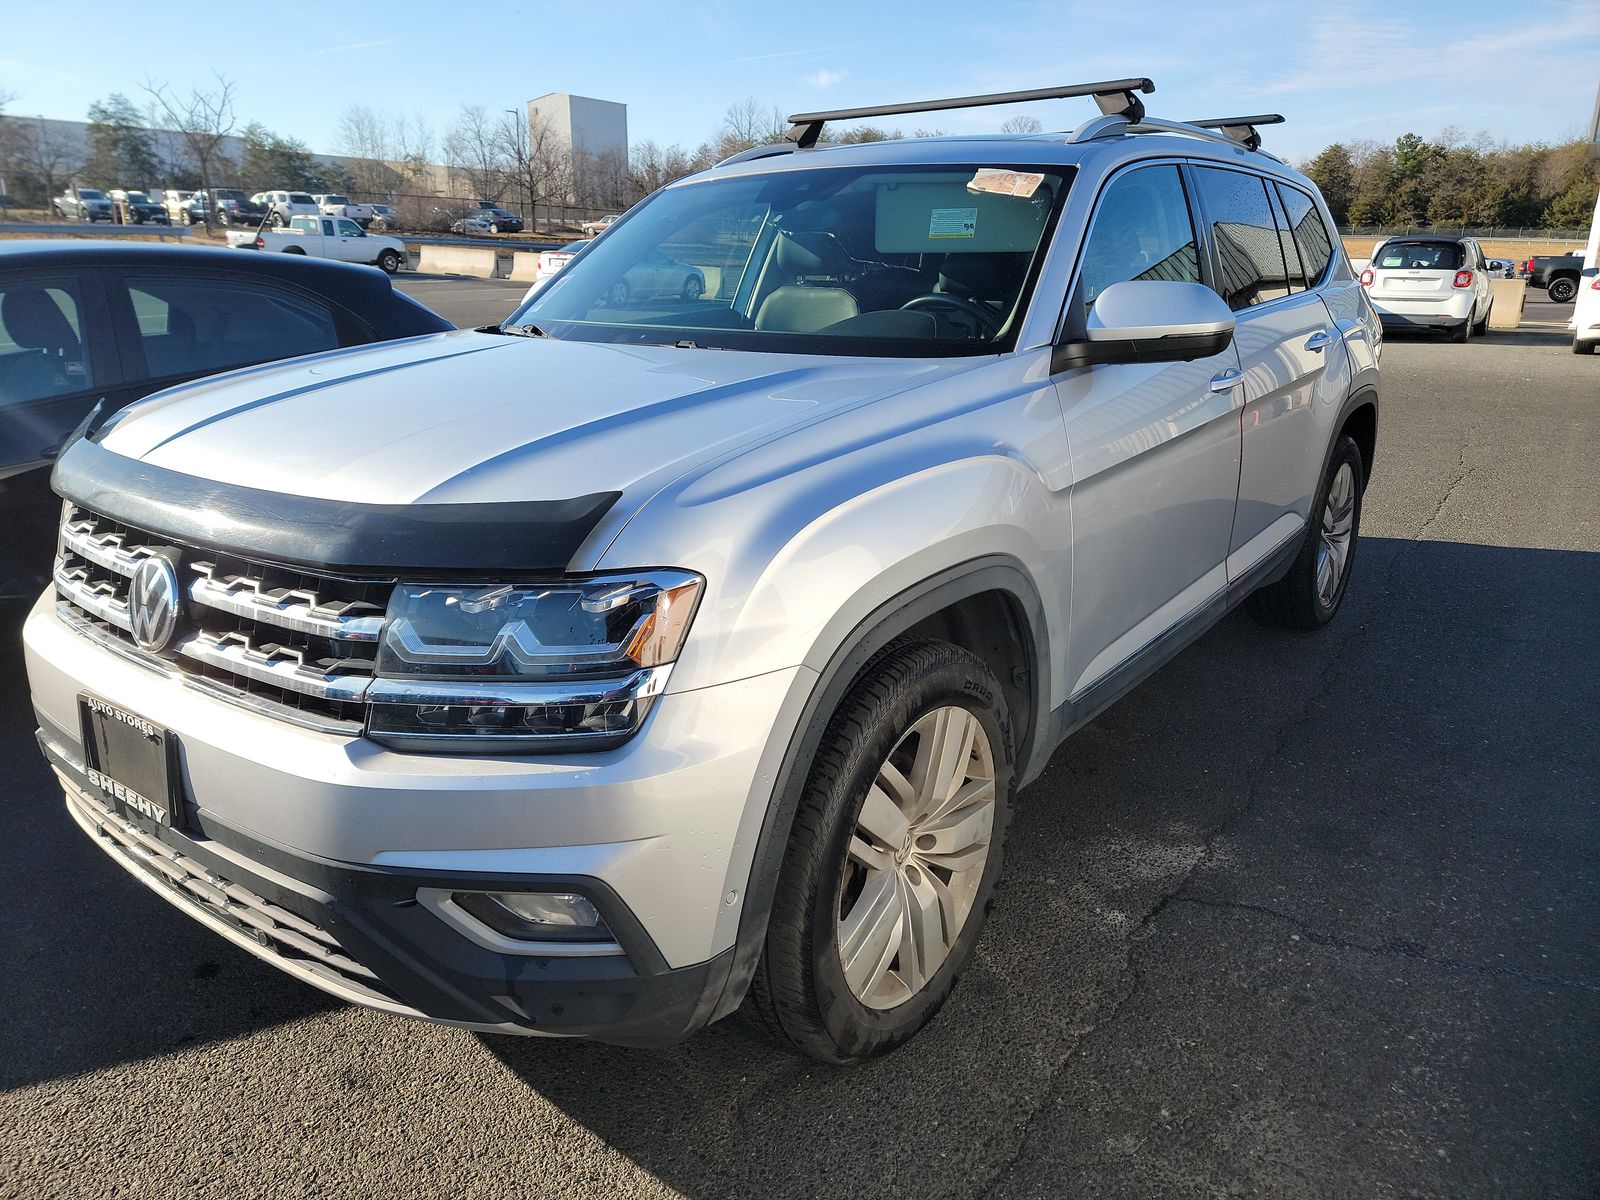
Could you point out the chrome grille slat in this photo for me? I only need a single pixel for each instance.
(300, 642)
(297, 610)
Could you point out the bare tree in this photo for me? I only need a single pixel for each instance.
(1022, 124)
(45, 154)
(205, 119)
(475, 152)
(749, 123)
(541, 162)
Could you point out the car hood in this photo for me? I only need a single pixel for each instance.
(480, 418)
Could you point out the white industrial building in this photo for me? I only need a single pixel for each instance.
(593, 131)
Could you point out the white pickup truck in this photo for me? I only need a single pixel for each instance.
(335, 205)
(327, 237)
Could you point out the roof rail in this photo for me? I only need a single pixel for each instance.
(766, 150)
(1241, 129)
(1115, 126)
(1114, 96)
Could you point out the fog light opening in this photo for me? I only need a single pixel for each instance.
(536, 916)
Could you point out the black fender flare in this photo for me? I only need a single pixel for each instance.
(885, 623)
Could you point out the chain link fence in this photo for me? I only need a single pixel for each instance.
(426, 213)
(1528, 233)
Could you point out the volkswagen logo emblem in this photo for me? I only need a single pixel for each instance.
(153, 604)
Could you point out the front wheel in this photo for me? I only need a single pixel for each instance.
(1310, 594)
(892, 863)
(693, 287)
(389, 261)
(1562, 290)
(276, 220)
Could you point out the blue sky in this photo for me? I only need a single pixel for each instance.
(1520, 70)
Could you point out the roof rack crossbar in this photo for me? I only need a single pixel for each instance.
(1241, 129)
(1114, 96)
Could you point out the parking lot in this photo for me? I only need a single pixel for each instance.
(1309, 913)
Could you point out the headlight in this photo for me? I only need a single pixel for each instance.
(527, 667)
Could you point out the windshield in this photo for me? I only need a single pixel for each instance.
(913, 261)
(90, 194)
(137, 198)
(1425, 256)
(336, 200)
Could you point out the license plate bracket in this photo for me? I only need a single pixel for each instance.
(130, 761)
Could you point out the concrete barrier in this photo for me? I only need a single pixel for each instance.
(524, 266)
(457, 260)
(1509, 297)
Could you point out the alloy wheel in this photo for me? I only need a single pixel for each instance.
(1338, 530)
(916, 857)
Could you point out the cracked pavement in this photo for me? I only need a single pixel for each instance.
(1309, 915)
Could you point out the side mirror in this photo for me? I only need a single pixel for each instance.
(1149, 321)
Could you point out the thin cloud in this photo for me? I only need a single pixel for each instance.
(824, 78)
(356, 46)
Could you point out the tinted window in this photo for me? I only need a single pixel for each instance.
(349, 229)
(299, 198)
(1295, 278)
(1142, 230)
(1420, 256)
(199, 326)
(1309, 233)
(41, 347)
(1249, 251)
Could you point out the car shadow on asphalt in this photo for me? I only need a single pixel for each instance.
(1337, 769)
(1350, 770)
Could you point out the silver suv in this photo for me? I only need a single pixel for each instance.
(657, 653)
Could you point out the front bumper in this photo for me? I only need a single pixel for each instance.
(343, 834)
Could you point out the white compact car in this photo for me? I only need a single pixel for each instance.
(1431, 283)
(590, 673)
(1586, 313)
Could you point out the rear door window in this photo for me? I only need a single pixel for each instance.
(43, 352)
(190, 327)
(1245, 234)
(1310, 235)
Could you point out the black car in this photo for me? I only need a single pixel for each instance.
(139, 209)
(233, 208)
(501, 220)
(98, 325)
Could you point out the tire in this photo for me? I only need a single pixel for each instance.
(1481, 329)
(804, 994)
(1300, 600)
(494, 228)
(1462, 332)
(188, 217)
(389, 262)
(1561, 290)
(617, 294)
(276, 220)
(693, 288)
(1584, 347)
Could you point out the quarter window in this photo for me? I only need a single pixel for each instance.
(1310, 234)
(1249, 251)
(195, 327)
(1142, 230)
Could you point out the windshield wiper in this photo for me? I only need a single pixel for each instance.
(527, 329)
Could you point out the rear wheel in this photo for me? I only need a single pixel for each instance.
(894, 855)
(693, 287)
(1482, 327)
(1562, 290)
(1463, 331)
(1584, 347)
(1310, 594)
(389, 261)
(276, 220)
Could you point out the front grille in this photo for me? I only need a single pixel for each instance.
(300, 946)
(299, 642)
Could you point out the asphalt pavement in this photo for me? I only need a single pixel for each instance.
(1304, 915)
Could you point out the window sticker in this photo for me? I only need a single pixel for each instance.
(953, 223)
(1005, 183)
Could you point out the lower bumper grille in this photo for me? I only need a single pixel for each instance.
(272, 932)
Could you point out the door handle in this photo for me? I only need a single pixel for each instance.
(1320, 340)
(1226, 381)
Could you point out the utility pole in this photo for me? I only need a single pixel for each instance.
(522, 168)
